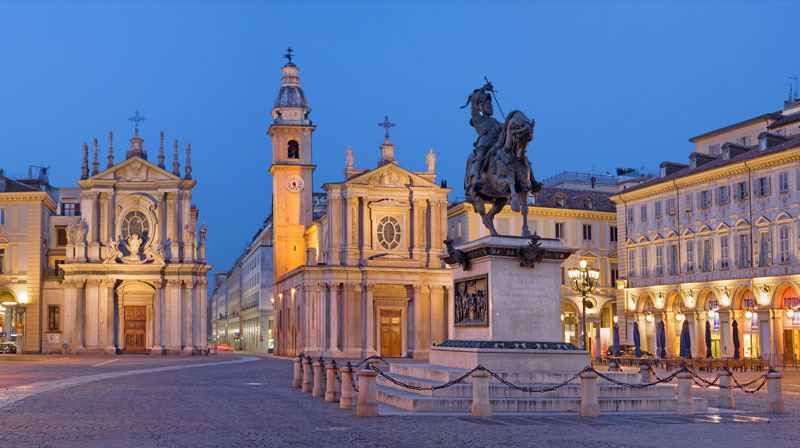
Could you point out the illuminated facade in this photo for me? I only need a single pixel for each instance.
(718, 240)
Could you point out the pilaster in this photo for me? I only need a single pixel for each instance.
(106, 316)
(369, 320)
(92, 315)
(187, 312)
(172, 325)
(421, 307)
(158, 319)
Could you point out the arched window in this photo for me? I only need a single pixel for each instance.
(389, 232)
(136, 223)
(293, 151)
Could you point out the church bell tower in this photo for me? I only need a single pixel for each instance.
(292, 208)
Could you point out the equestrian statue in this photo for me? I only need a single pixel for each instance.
(498, 170)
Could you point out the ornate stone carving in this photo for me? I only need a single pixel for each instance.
(155, 253)
(111, 252)
(471, 303)
(430, 161)
(203, 230)
(457, 256)
(532, 253)
(348, 157)
(76, 233)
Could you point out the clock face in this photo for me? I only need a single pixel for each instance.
(295, 183)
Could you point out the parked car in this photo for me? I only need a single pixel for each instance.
(8, 347)
(626, 350)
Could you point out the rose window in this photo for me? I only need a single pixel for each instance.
(388, 232)
(135, 223)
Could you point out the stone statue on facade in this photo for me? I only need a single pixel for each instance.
(430, 160)
(111, 251)
(155, 253)
(76, 233)
(203, 230)
(134, 242)
(498, 170)
(348, 158)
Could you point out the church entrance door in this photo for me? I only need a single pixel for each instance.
(391, 331)
(135, 329)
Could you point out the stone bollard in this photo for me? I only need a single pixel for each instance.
(367, 401)
(306, 375)
(319, 387)
(589, 405)
(481, 407)
(774, 396)
(346, 401)
(331, 392)
(613, 366)
(685, 400)
(725, 393)
(297, 379)
(647, 374)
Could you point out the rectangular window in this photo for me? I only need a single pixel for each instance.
(458, 230)
(722, 195)
(660, 260)
(723, 251)
(765, 249)
(744, 141)
(57, 267)
(644, 261)
(614, 275)
(783, 235)
(632, 262)
(657, 210)
(763, 186)
(61, 235)
(689, 255)
(643, 212)
(587, 232)
(714, 150)
(612, 234)
(742, 250)
(673, 259)
(688, 201)
(705, 198)
(2, 259)
(560, 230)
(741, 191)
(630, 215)
(70, 209)
(671, 206)
(783, 182)
(563, 277)
(707, 259)
(53, 318)
(2, 216)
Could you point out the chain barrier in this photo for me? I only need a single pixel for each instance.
(634, 385)
(533, 389)
(420, 388)
(702, 382)
(352, 377)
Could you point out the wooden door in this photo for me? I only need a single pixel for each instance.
(135, 325)
(391, 333)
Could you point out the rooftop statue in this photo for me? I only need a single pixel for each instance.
(498, 170)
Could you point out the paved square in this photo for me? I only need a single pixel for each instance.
(242, 400)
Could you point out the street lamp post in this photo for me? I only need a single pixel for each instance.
(584, 280)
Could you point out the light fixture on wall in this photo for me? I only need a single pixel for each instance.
(650, 317)
(763, 298)
(711, 314)
(690, 302)
(725, 298)
(584, 280)
(272, 300)
(562, 317)
(631, 304)
(616, 319)
(660, 300)
(22, 298)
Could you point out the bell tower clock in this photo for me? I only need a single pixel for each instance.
(292, 207)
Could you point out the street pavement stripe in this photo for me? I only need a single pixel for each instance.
(13, 394)
(105, 362)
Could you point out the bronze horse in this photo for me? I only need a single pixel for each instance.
(506, 173)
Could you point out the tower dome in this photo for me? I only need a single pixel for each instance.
(291, 94)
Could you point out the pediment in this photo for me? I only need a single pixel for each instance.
(705, 229)
(630, 242)
(722, 226)
(762, 221)
(390, 175)
(135, 169)
(784, 217)
(672, 234)
(658, 237)
(688, 232)
(589, 254)
(643, 239)
(742, 223)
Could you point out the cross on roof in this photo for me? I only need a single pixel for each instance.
(386, 125)
(288, 54)
(136, 119)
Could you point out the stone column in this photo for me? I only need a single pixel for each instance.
(726, 334)
(162, 217)
(172, 228)
(414, 241)
(685, 400)
(694, 333)
(307, 376)
(201, 324)
(367, 405)
(92, 315)
(366, 230)
(351, 320)
(70, 314)
(369, 320)
(774, 393)
(777, 332)
(422, 310)
(589, 405)
(351, 231)
(106, 316)
(598, 340)
(438, 323)
(319, 389)
(331, 391)
(172, 325)
(297, 377)
(346, 400)
(187, 312)
(158, 344)
(334, 318)
(671, 328)
(481, 407)
(79, 336)
(765, 333)
(725, 394)
(335, 219)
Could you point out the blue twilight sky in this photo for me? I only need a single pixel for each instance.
(609, 84)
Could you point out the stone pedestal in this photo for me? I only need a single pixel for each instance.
(506, 307)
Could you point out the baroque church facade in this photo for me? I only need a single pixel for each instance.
(365, 277)
(114, 266)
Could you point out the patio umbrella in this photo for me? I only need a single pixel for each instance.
(735, 340)
(616, 340)
(686, 341)
(661, 340)
(637, 341)
(708, 340)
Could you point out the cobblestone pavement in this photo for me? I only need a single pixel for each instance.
(207, 401)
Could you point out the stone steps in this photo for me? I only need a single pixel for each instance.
(441, 374)
(499, 390)
(413, 402)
